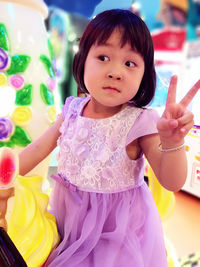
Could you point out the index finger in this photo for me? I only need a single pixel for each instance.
(190, 95)
(171, 95)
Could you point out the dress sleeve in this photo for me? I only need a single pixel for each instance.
(66, 105)
(145, 124)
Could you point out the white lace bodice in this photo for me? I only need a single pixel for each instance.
(93, 151)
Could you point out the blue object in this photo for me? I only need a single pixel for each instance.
(82, 7)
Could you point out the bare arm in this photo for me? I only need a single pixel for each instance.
(171, 167)
(38, 150)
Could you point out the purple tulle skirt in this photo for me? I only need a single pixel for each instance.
(110, 230)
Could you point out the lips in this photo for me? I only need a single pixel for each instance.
(111, 88)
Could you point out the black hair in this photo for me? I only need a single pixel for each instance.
(135, 32)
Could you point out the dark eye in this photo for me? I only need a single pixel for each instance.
(103, 58)
(130, 64)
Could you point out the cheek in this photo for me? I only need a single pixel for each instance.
(91, 74)
(88, 79)
(140, 77)
(86, 75)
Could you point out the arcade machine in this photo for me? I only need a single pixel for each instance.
(177, 51)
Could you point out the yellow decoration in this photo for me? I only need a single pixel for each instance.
(31, 227)
(182, 4)
(187, 148)
(197, 157)
(164, 199)
(3, 79)
(51, 113)
(22, 115)
(172, 257)
(165, 202)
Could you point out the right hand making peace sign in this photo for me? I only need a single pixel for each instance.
(176, 120)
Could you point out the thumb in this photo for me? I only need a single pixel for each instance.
(166, 124)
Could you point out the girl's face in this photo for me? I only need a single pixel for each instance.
(112, 74)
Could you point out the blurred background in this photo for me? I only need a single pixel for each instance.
(174, 24)
(175, 29)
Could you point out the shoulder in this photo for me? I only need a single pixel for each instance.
(149, 115)
(147, 119)
(145, 124)
(72, 103)
(143, 115)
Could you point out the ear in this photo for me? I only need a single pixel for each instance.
(9, 166)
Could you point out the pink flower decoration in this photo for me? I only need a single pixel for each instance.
(51, 84)
(17, 81)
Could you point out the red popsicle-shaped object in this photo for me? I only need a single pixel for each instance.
(8, 167)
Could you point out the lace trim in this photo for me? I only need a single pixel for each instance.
(92, 151)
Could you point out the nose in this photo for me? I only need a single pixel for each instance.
(114, 76)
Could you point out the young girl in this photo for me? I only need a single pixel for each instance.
(104, 210)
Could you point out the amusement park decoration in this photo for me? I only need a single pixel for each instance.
(27, 78)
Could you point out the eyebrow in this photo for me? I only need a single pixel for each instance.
(110, 45)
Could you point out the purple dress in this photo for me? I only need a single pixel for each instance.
(105, 213)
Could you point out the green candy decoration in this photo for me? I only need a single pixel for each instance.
(4, 41)
(20, 137)
(19, 64)
(46, 95)
(7, 144)
(24, 96)
(50, 47)
(47, 63)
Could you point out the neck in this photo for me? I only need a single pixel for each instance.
(93, 109)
